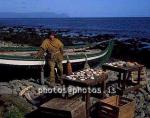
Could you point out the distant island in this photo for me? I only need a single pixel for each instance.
(32, 15)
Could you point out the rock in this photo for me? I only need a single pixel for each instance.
(142, 114)
(31, 80)
(22, 87)
(148, 86)
(143, 83)
(36, 85)
(112, 76)
(131, 96)
(18, 89)
(138, 117)
(3, 84)
(145, 94)
(5, 90)
(14, 92)
(148, 98)
(148, 108)
(18, 102)
(142, 103)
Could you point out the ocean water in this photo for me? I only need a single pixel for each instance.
(130, 27)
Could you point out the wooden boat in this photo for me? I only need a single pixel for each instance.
(19, 57)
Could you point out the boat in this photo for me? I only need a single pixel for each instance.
(20, 57)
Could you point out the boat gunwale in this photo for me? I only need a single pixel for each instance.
(72, 60)
(30, 58)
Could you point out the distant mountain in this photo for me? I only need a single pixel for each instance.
(32, 15)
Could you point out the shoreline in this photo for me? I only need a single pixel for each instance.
(126, 48)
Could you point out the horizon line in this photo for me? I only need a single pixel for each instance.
(87, 17)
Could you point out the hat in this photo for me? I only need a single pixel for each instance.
(51, 33)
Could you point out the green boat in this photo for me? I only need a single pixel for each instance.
(19, 56)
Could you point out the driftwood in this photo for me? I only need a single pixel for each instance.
(30, 99)
(22, 92)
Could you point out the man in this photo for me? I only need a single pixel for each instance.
(54, 49)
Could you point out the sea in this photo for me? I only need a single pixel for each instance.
(121, 27)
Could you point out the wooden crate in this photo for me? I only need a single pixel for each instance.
(116, 107)
(64, 108)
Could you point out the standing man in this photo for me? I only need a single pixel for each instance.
(54, 49)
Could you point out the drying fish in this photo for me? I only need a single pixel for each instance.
(123, 64)
(86, 74)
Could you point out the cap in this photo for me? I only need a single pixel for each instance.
(51, 33)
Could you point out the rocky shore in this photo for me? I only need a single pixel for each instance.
(126, 48)
(28, 97)
(131, 49)
(10, 44)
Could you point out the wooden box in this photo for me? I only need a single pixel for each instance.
(116, 107)
(64, 108)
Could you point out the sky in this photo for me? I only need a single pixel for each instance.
(81, 8)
